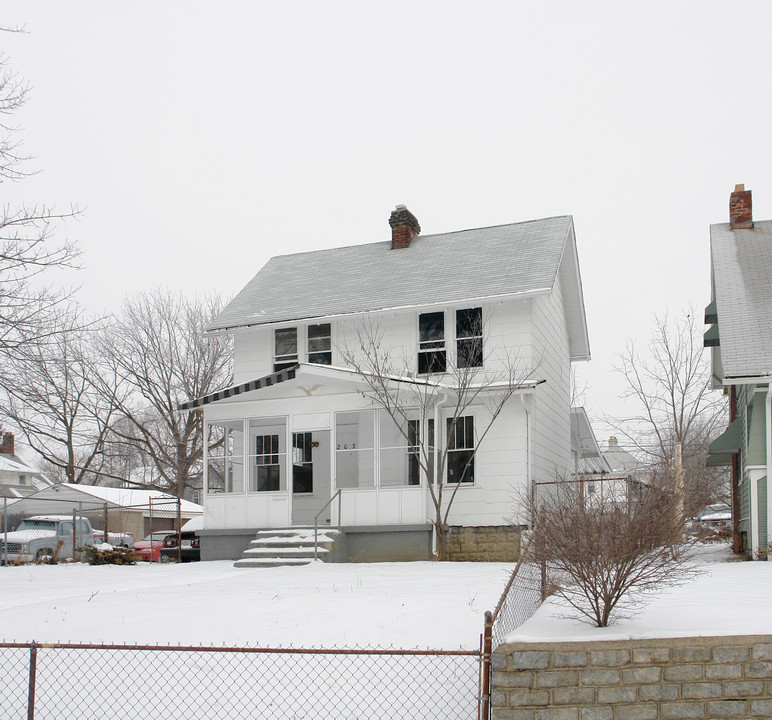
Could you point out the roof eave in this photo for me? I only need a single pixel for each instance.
(213, 331)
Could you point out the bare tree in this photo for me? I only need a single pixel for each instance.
(445, 393)
(27, 309)
(604, 558)
(53, 393)
(674, 404)
(158, 350)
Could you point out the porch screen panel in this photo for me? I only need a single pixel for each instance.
(398, 457)
(225, 469)
(355, 449)
(267, 444)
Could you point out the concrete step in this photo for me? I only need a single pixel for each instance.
(287, 546)
(294, 552)
(271, 562)
(289, 542)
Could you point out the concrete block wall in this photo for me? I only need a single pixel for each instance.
(483, 544)
(674, 679)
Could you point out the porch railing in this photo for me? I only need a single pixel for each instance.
(316, 521)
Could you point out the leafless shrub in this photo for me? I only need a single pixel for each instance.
(605, 557)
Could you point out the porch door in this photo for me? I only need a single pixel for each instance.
(310, 476)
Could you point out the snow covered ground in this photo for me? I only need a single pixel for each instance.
(402, 605)
(728, 598)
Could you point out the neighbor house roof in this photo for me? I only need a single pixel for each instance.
(590, 459)
(518, 259)
(115, 497)
(742, 280)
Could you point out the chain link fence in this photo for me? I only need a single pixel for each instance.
(62, 681)
(521, 598)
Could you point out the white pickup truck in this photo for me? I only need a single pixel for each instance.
(40, 536)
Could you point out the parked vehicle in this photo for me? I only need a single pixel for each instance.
(42, 536)
(150, 547)
(190, 548)
(116, 539)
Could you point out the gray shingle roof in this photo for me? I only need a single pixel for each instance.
(742, 276)
(444, 268)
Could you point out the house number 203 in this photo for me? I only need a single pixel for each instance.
(345, 446)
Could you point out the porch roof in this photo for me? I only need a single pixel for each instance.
(309, 369)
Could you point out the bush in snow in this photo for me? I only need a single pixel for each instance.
(105, 554)
(604, 557)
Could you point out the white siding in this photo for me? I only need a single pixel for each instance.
(529, 333)
(551, 414)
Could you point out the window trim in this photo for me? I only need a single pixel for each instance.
(285, 360)
(458, 339)
(309, 352)
(432, 347)
(449, 451)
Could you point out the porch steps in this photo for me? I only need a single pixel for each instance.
(286, 546)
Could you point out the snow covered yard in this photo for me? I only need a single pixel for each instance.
(727, 598)
(402, 605)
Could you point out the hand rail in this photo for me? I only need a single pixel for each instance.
(316, 521)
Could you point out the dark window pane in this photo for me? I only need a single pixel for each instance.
(469, 323)
(431, 327)
(320, 358)
(431, 362)
(469, 338)
(267, 478)
(286, 342)
(303, 478)
(470, 352)
(461, 465)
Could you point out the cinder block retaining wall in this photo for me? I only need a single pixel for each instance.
(483, 544)
(703, 678)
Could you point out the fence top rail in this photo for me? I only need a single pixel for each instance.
(235, 649)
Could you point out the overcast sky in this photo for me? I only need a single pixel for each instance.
(201, 138)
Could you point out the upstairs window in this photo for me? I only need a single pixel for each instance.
(469, 338)
(285, 348)
(320, 344)
(461, 450)
(431, 343)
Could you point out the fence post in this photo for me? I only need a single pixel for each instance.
(74, 533)
(485, 695)
(179, 530)
(5, 531)
(33, 663)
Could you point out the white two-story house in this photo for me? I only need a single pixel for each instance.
(300, 427)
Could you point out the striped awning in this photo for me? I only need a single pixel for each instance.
(267, 381)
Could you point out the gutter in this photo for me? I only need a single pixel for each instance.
(211, 332)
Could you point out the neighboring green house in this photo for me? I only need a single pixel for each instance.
(740, 338)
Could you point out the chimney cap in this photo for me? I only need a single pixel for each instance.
(740, 187)
(401, 207)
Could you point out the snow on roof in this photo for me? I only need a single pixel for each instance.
(126, 497)
(13, 464)
(449, 267)
(742, 275)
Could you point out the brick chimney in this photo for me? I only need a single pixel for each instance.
(612, 442)
(6, 443)
(740, 209)
(404, 227)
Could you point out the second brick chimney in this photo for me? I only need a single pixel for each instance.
(6, 443)
(740, 209)
(404, 227)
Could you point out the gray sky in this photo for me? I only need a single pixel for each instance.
(203, 138)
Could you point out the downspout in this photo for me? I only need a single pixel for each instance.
(528, 481)
(769, 454)
(735, 481)
(442, 399)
